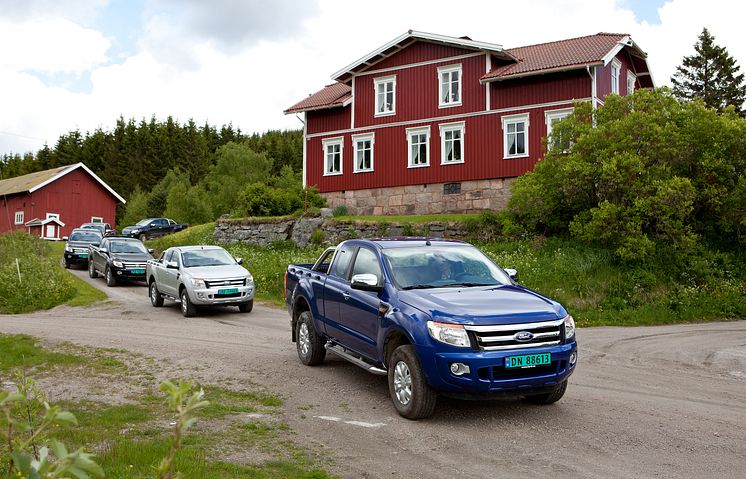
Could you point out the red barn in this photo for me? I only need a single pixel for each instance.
(51, 203)
(429, 123)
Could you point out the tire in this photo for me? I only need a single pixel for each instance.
(109, 277)
(142, 237)
(413, 398)
(310, 346)
(246, 307)
(66, 263)
(549, 398)
(92, 270)
(187, 308)
(155, 296)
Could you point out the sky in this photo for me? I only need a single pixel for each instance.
(81, 64)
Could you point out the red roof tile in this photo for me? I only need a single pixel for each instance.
(575, 52)
(329, 97)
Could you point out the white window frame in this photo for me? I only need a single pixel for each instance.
(19, 217)
(411, 132)
(53, 215)
(616, 73)
(450, 69)
(339, 140)
(356, 140)
(384, 81)
(631, 81)
(97, 219)
(512, 119)
(550, 116)
(444, 128)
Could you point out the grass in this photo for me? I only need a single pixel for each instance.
(130, 439)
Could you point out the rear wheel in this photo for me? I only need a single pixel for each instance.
(155, 296)
(309, 345)
(109, 276)
(92, 270)
(551, 397)
(246, 307)
(413, 398)
(187, 308)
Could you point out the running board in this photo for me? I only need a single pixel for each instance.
(342, 353)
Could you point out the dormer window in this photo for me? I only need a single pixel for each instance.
(449, 80)
(385, 89)
(616, 70)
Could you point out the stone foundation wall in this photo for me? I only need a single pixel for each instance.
(475, 196)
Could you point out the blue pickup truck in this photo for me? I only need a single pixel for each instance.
(436, 317)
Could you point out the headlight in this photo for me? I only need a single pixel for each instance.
(134, 232)
(249, 279)
(198, 282)
(569, 327)
(453, 334)
(117, 263)
(68, 249)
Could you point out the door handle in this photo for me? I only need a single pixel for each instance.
(346, 296)
(317, 277)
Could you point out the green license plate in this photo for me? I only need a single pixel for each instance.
(228, 291)
(528, 360)
(138, 271)
(83, 255)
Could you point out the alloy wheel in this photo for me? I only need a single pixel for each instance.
(402, 383)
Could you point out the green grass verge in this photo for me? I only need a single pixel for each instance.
(238, 435)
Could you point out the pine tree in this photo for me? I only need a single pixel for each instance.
(711, 74)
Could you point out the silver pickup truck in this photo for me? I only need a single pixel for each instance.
(199, 276)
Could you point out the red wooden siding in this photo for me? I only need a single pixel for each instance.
(420, 52)
(76, 197)
(604, 77)
(532, 90)
(417, 91)
(332, 119)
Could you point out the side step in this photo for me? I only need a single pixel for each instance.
(344, 354)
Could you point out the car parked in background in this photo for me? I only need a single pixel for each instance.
(118, 259)
(104, 228)
(200, 276)
(76, 248)
(152, 228)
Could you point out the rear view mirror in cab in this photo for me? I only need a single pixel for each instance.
(366, 282)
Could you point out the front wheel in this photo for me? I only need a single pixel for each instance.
(187, 308)
(246, 307)
(66, 263)
(551, 397)
(110, 279)
(155, 296)
(309, 345)
(92, 270)
(142, 237)
(413, 398)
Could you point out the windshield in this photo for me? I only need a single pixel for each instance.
(86, 236)
(442, 266)
(127, 247)
(206, 257)
(144, 222)
(93, 227)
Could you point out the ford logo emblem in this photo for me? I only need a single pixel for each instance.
(523, 336)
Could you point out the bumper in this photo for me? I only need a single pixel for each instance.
(211, 296)
(488, 375)
(129, 274)
(76, 258)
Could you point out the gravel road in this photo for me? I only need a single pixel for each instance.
(665, 401)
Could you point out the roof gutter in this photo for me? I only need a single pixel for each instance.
(539, 72)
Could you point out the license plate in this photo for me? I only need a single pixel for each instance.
(528, 360)
(228, 291)
(83, 255)
(138, 271)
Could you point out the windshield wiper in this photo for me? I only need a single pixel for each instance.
(469, 285)
(422, 286)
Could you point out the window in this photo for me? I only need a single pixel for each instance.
(556, 142)
(97, 219)
(341, 263)
(452, 143)
(616, 68)
(19, 217)
(367, 263)
(53, 215)
(515, 135)
(363, 152)
(332, 156)
(631, 80)
(449, 79)
(419, 147)
(385, 89)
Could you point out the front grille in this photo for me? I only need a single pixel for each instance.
(134, 265)
(504, 336)
(497, 373)
(225, 283)
(80, 250)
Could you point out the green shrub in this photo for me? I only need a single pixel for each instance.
(340, 210)
(318, 236)
(258, 199)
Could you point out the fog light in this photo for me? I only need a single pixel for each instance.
(573, 358)
(200, 295)
(119, 273)
(459, 369)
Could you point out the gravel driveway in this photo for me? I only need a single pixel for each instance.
(665, 401)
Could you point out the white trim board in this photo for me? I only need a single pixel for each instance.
(70, 170)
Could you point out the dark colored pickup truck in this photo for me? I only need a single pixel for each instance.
(436, 316)
(118, 259)
(76, 248)
(152, 228)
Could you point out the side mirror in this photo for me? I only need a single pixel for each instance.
(150, 250)
(239, 260)
(103, 250)
(366, 282)
(172, 265)
(512, 273)
(65, 238)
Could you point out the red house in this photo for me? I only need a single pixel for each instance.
(52, 203)
(429, 123)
